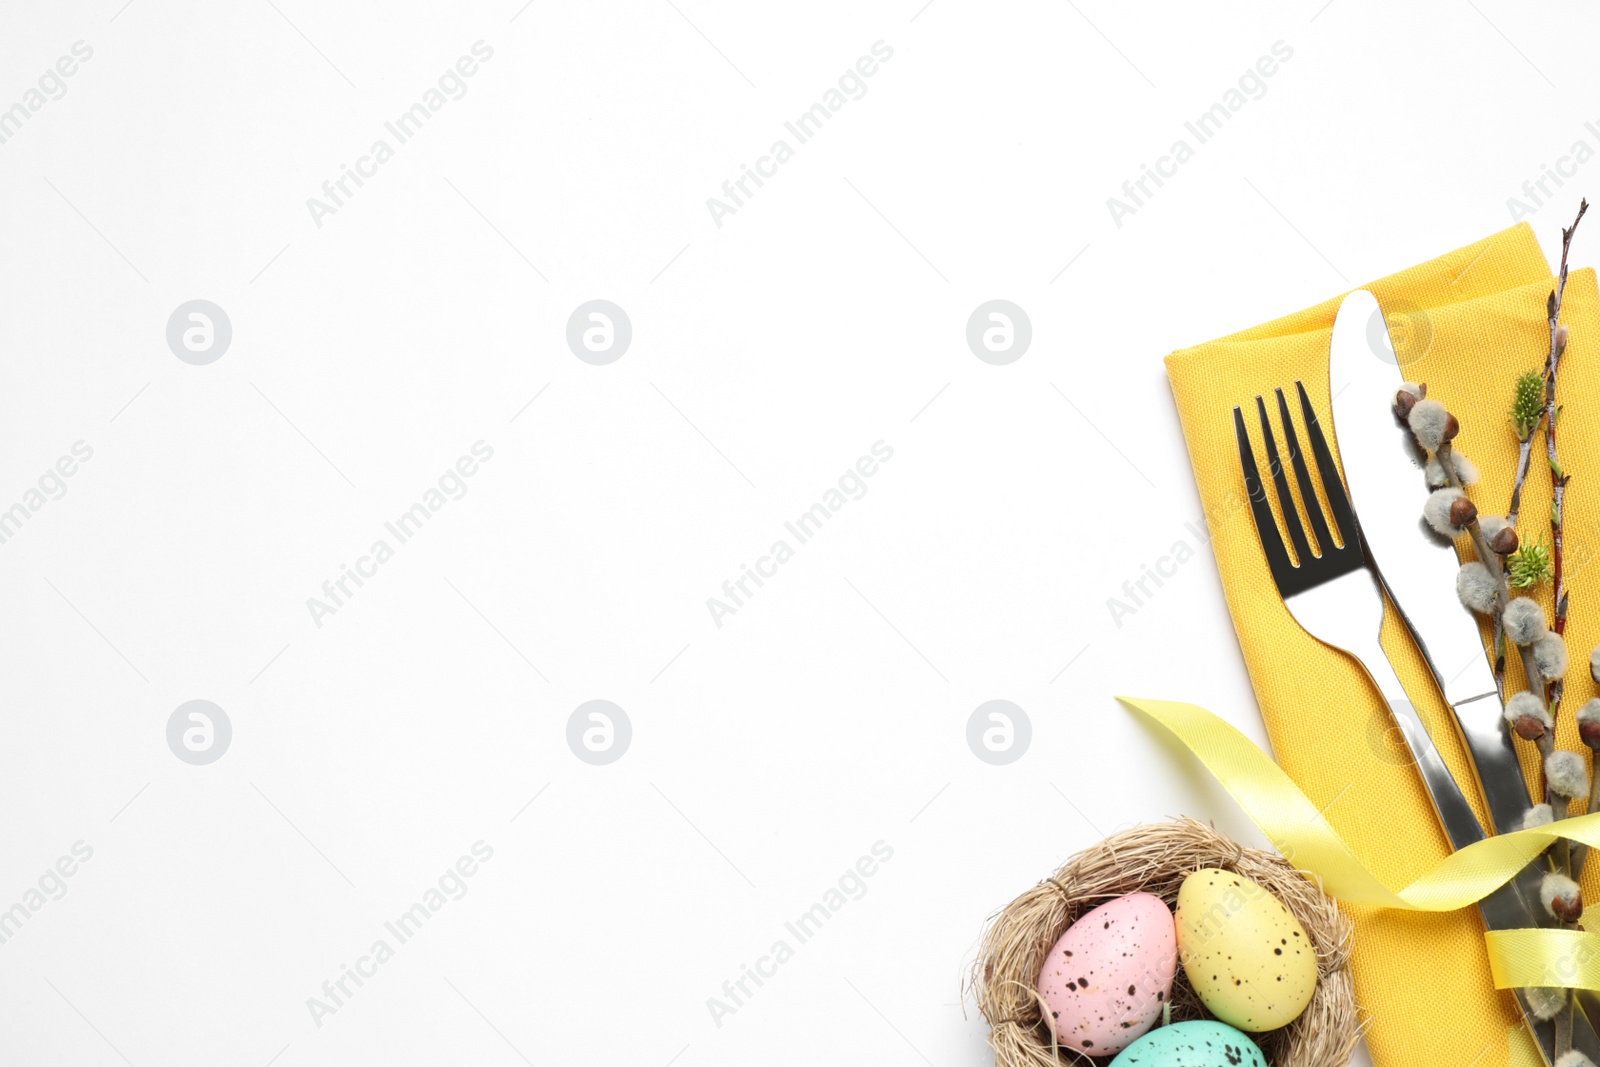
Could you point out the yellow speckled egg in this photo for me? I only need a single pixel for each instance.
(1247, 957)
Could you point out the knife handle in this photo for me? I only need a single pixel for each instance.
(1455, 813)
(1496, 771)
(1494, 761)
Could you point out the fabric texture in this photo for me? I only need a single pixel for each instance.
(1466, 323)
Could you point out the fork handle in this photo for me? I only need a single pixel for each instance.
(1455, 813)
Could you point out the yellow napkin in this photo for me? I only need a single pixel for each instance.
(1471, 320)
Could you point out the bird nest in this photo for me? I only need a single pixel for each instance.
(1155, 859)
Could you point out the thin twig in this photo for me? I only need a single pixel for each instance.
(1500, 659)
(1524, 456)
(1524, 460)
(1558, 477)
(1564, 1024)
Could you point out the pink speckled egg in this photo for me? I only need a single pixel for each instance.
(1107, 977)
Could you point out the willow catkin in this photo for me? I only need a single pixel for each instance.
(1155, 859)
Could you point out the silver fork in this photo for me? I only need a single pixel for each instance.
(1336, 596)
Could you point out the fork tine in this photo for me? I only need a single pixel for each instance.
(1343, 517)
(1271, 544)
(1302, 477)
(1291, 517)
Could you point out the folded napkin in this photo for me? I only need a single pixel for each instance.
(1471, 320)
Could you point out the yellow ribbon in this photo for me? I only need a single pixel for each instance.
(1517, 958)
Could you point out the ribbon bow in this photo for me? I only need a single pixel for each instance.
(1517, 958)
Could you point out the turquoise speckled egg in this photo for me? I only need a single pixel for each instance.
(1198, 1043)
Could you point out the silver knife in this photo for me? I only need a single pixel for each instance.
(1383, 470)
(1384, 478)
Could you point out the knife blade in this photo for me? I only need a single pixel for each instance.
(1384, 478)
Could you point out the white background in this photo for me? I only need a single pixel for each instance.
(768, 354)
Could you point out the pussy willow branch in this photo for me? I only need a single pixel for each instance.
(1524, 460)
(1555, 859)
(1562, 858)
(1496, 567)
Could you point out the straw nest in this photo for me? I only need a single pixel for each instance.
(1155, 859)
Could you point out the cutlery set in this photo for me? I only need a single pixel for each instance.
(1335, 584)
